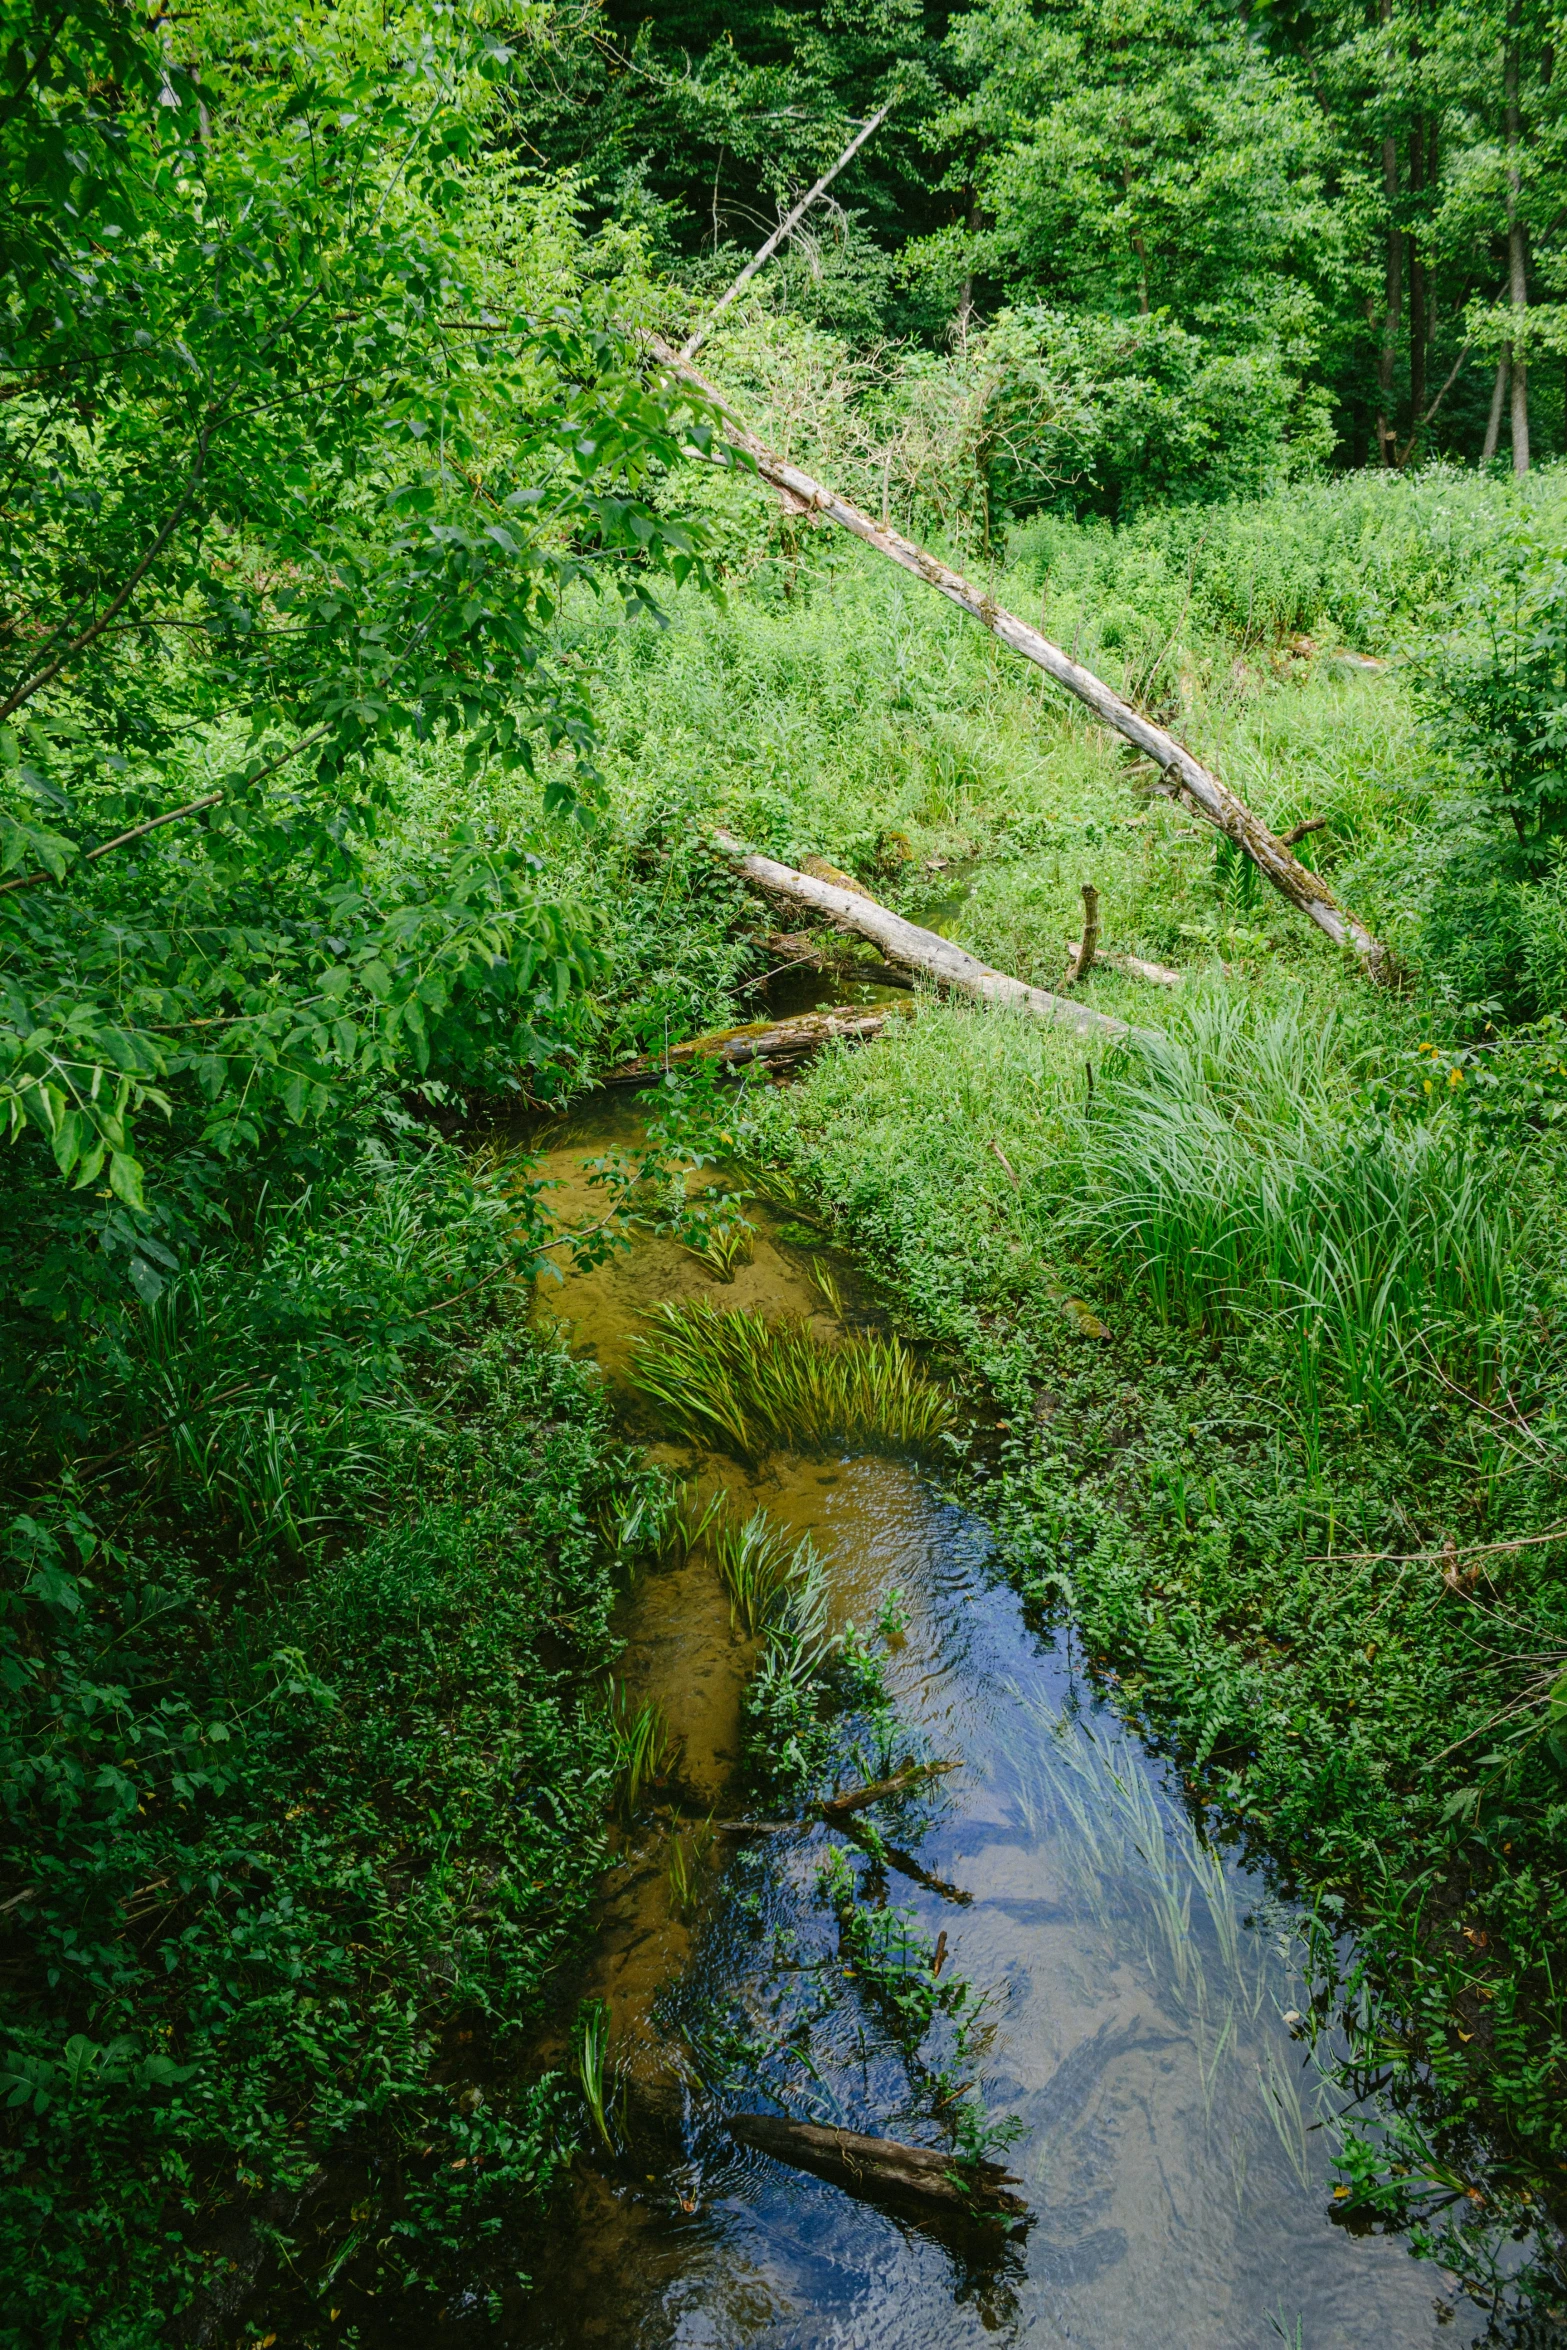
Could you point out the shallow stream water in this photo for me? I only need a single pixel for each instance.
(1176, 2137)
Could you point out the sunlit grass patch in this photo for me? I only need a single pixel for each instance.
(750, 1383)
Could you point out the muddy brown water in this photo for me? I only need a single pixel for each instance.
(1176, 2139)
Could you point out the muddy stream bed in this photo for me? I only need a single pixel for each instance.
(1176, 2137)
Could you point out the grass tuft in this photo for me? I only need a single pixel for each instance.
(644, 1748)
(750, 1383)
(757, 1564)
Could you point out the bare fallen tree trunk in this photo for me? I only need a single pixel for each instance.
(881, 2166)
(1204, 791)
(1155, 974)
(915, 949)
(837, 1807)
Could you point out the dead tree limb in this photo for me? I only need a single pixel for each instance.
(764, 253)
(881, 2166)
(1087, 946)
(915, 949)
(1212, 798)
(837, 1807)
(776, 1044)
(1156, 974)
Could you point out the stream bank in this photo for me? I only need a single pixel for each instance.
(1146, 1993)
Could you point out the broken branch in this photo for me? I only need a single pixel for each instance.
(880, 2166)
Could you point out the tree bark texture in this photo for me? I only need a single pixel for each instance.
(876, 2167)
(915, 949)
(1204, 791)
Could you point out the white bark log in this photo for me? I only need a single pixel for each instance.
(915, 949)
(1304, 889)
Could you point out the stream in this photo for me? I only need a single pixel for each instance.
(1175, 2137)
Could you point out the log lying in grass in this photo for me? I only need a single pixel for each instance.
(882, 2167)
(776, 1043)
(915, 949)
(1180, 772)
(1155, 974)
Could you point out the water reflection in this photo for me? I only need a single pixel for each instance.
(1177, 2141)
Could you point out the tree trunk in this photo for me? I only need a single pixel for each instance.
(1393, 298)
(1418, 324)
(915, 949)
(881, 2166)
(1517, 266)
(1493, 423)
(774, 1043)
(1203, 790)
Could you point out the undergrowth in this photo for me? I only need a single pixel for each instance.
(305, 1783)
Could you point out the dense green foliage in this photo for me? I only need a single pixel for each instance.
(1329, 223)
(364, 700)
(302, 1765)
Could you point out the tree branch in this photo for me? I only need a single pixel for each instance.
(42, 677)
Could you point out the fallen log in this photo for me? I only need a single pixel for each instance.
(1155, 974)
(777, 1042)
(915, 949)
(1178, 769)
(874, 2167)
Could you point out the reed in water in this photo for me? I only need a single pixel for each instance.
(750, 1383)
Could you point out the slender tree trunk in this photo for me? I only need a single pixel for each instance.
(966, 291)
(1517, 265)
(1417, 288)
(1393, 293)
(1393, 303)
(1493, 423)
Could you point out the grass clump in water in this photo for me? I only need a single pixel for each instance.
(644, 1749)
(751, 1383)
(756, 1564)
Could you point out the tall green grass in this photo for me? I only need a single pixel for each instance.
(749, 1384)
(1233, 1171)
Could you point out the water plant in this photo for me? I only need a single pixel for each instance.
(643, 1747)
(756, 1562)
(750, 1382)
(590, 2056)
(685, 1856)
(721, 1246)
